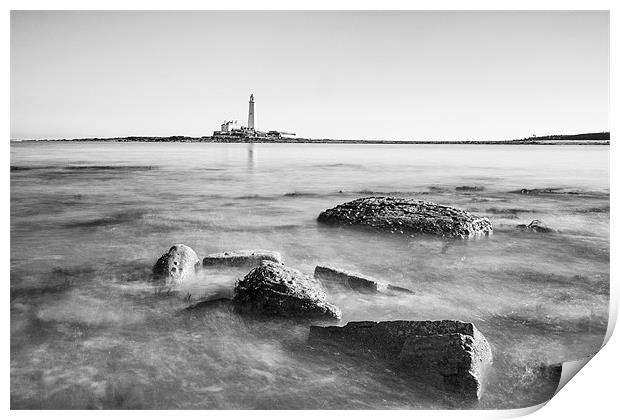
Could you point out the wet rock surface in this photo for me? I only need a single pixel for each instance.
(356, 281)
(448, 355)
(407, 216)
(243, 258)
(177, 265)
(276, 290)
(535, 226)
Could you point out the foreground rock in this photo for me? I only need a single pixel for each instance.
(177, 265)
(449, 355)
(535, 226)
(356, 281)
(401, 215)
(276, 290)
(243, 258)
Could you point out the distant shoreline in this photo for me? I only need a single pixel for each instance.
(573, 139)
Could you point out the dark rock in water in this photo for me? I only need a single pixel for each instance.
(356, 281)
(604, 209)
(536, 191)
(535, 226)
(558, 191)
(469, 188)
(434, 188)
(179, 264)
(551, 371)
(449, 355)
(276, 290)
(244, 258)
(407, 216)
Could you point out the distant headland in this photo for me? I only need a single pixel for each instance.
(601, 138)
(232, 132)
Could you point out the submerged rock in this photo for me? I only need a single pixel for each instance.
(243, 258)
(535, 226)
(276, 290)
(356, 281)
(469, 188)
(559, 191)
(448, 355)
(210, 304)
(408, 216)
(177, 265)
(537, 191)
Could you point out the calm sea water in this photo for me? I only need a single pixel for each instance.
(89, 220)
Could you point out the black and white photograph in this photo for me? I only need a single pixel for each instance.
(306, 209)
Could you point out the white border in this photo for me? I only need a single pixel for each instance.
(593, 394)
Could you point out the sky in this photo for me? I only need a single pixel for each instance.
(392, 75)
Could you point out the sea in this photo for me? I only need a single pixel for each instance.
(89, 220)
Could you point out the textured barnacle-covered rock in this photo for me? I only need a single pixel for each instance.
(276, 290)
(407, 216)
(448, 355)
(177, 265)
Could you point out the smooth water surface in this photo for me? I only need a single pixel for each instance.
(88, 220)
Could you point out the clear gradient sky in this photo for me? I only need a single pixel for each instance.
(355, 75)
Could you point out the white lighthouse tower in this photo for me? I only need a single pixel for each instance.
(251, 113)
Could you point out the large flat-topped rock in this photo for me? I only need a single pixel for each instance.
(448, 355)
(407, 216)
(356, 281)
(276, 290)
(242, 258)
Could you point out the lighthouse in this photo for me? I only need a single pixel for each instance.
(251, 113)
(231, 130)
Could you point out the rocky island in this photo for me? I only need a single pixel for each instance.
(601, 138)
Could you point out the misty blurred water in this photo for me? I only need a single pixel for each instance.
(88, 220)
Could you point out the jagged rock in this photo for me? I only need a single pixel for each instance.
(449, 355)
(243, 258)
(535, 226)
(276, 290)
(177, 265)
(407, 216)
(356, 281)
